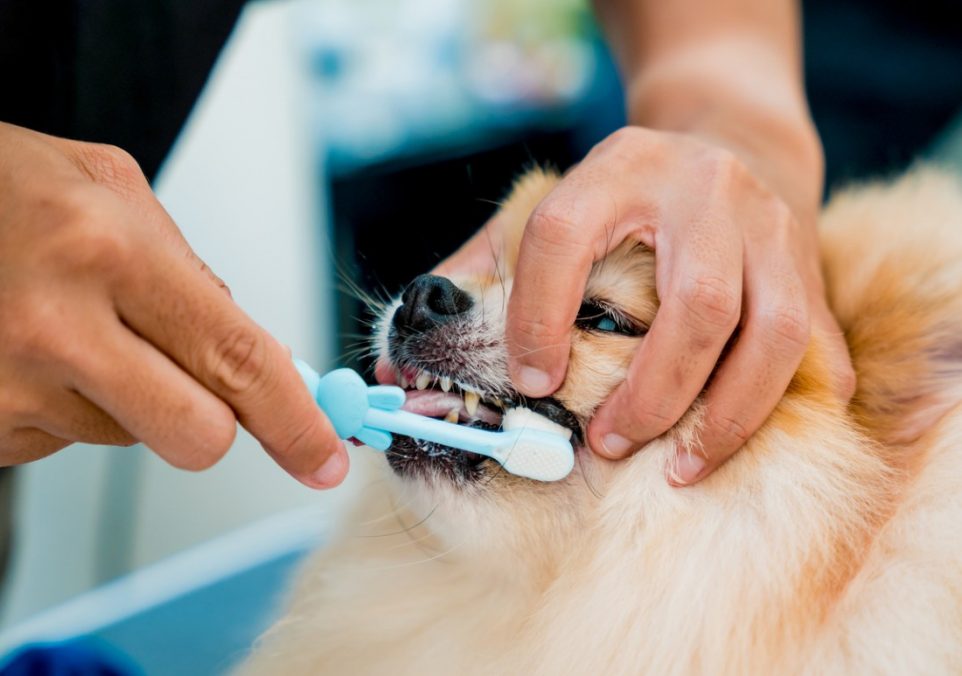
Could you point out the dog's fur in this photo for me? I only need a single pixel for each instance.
(830, 544)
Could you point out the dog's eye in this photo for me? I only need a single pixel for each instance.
(605, 324)
(600, 317)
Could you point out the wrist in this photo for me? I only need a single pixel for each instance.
(738, 95)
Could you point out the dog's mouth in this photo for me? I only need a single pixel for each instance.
(456, 400)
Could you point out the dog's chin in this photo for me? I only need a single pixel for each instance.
(415, 458)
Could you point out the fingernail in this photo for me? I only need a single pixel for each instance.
(332, 472)
(534, 381)
(616, 445)
(686, 468)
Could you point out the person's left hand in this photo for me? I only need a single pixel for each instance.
(729, 253)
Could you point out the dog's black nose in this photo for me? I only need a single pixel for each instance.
(430, 301)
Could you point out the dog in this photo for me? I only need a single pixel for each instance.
(830, 544)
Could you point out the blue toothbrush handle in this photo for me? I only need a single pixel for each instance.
(439, 431)
(347, 401)
(371, 413)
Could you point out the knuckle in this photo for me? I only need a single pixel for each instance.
(712, 301)
(627, 136)
(238, 362)
(112, 165)
(553, 236)
(550, 223)
(790, 325)
(730, 432)
(622, 150)
(38, 334)
(657, 416)
(88, 237)
(100, 244)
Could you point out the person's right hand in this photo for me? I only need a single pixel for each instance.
(112, 330)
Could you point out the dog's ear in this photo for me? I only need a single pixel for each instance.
(527, 193)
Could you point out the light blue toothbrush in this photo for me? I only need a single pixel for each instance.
(370, 413)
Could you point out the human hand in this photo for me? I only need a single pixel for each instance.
(729, 255)
(114, 331)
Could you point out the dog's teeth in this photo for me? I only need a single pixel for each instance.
(497, 402)
(403, 381)
(446, 384)
(424, 379)
(471, 401)
(452, 416)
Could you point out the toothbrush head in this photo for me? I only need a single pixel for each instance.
(540, 449)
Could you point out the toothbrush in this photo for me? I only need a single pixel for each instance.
(530, 446)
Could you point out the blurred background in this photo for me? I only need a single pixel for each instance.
(358, 142)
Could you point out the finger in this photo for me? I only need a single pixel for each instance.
(27, 444)
(832, 340)
(562, 234)
(152, 398)
(699, 311)
(755, 374)
(479, 256)
(72, 416)
(170, 304)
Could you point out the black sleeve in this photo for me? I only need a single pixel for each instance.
(125, 72)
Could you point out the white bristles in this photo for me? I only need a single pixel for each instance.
(524, 418)
(542, 450)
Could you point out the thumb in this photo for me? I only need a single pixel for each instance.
(479, 256)
(837, 356)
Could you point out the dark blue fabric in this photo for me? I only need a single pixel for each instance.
(72, 658)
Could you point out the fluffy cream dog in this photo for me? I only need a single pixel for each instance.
(832, 543)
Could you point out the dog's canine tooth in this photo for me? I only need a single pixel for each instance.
(403, 381)
(471, 401)
(424, 379)
(446, 384)
(452, 416)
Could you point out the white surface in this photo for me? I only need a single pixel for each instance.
(242, 184)
(57, 509)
